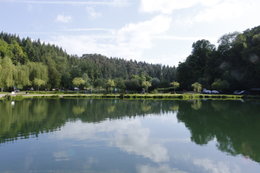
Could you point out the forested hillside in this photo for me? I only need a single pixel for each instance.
(233, 64)
(25, 63)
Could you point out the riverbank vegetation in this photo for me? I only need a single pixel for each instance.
(34, 65)
(187, 96)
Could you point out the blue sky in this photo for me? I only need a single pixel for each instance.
(155, 31)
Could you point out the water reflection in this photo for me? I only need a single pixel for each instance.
(31, 117)
(233, 124)
(216, 166)
(159, 169)
(152, 133)
(128, 135)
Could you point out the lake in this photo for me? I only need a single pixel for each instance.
(129, 136)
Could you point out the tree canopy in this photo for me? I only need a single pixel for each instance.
(23, 60)
(232, 65)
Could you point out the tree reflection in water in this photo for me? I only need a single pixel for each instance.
(235, 125)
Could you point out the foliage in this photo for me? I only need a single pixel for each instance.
(110, 84)
(146, 85)
(175, 85)
(58, 69)
(133, 85)
(6, 73)
(99, 83)
(197, 87)
(233, 65)
(155, 82)
(220, 84)
(39, 82)
(78, 81)
(120, 83)
(21, 76)
(87, 80)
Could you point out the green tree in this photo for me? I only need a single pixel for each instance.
(4, 49)
(195, 68)
(1, 81)
(7, 73)
(175, 85)
(78, 81)
(197, 87)
(226, 41)
(87, 80)
(37, 71)
(184, 75)
(133, 85)
(54, 74)
(146, 85)
(220, 84)
(110, 84)
(39, 83)
(155, 82)
(21, 76)
(120, 83)
(19, 56)
(100, 83)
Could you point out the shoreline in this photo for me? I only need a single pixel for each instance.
(130, 96)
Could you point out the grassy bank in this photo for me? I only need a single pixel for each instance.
(183, 96)
(129, 96)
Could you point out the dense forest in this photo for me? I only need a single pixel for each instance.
(25, 64)
(233, 64)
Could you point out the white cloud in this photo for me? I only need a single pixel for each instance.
(216, 167)
(90, 29)
(208, 11)
(168, 6)
(116, 3)
(160, 169)
(81, 44)
(139, 35)
(29, 8)
(128, 135)
(172, 37)
(63, 19)
(128, 42)
(93, 13)
(136, 140)
(134, 40)
(228, 10)
(61, 156)
(120, 3)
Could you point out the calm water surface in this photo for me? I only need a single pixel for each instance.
(118, 136)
